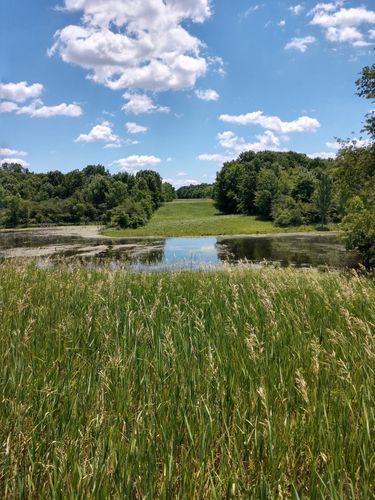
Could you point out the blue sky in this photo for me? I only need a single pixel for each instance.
(179, 86)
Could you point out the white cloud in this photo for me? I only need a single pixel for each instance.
(134, 128)
(217, 158)
(273, 123)
(141, 103)
(346, 34)
(296, 9)
(361, 43)
(8, 107)
(282, 23)
(11, 152)
(102, 132)
(21, 162)
(134, 162)
(323, 155)
(38, 110)
(113, 145)
(340, 24)
(20, 92)
(235, 145)
(135, 44)
(300, 44)
(207, 95)
(181, 182)
(371, 34)
(333, 145)
(182, 174)
(267, 141)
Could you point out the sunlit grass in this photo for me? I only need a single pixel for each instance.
(243, 384)
(200, 218)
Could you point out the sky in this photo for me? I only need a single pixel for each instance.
(178, 86)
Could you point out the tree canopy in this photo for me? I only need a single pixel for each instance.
(79, 196)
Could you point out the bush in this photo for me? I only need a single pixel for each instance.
(286, 212)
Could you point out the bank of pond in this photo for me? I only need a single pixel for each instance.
(302, 250)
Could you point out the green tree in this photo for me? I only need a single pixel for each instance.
(324, 197)
(267, 184)
(169, 192)
(366, 88)
(359, 227)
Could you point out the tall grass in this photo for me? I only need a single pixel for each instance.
(237, 384)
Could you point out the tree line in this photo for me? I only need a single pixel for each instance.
(287, 187)
(80, 196)
(195, 191)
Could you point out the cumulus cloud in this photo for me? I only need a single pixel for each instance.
(11, 152)
(20, 161)
(234, 145)
(8, 107)
(20, 91)
(101, 132)
(135, 128)
(282, 23)
(217, 158)
(273, 123)
(296, 9)
(267, 141)
(38, 110)
(324, 155)
(141, 103)
(134, 162)
(300, 44)
(207, 95)
(342, 24)
(135, 45)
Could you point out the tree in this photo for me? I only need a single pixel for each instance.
(323, 197)
(356, 173)
(359, 227)
(366, 88)
(169, 192)
(266, 190)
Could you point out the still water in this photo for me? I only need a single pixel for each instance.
(149, 254)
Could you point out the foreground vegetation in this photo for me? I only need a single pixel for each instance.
(200, 218)
(244, 384)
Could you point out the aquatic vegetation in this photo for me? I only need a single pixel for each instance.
(243, 383)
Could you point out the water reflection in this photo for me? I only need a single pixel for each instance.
(149, 254)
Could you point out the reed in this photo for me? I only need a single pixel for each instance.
(238, 384)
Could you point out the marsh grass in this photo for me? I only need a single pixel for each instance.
(238, 384)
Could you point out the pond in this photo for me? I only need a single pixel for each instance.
(304, 250)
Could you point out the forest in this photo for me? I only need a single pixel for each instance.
(80, 196)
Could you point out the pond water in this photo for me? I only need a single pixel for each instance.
(148, 254)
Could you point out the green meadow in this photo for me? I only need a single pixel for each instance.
(238, 384)
(200, 218)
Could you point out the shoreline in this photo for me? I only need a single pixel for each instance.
(94, 232)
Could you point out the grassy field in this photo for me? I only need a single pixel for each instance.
(240, 384)
(200, 218)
